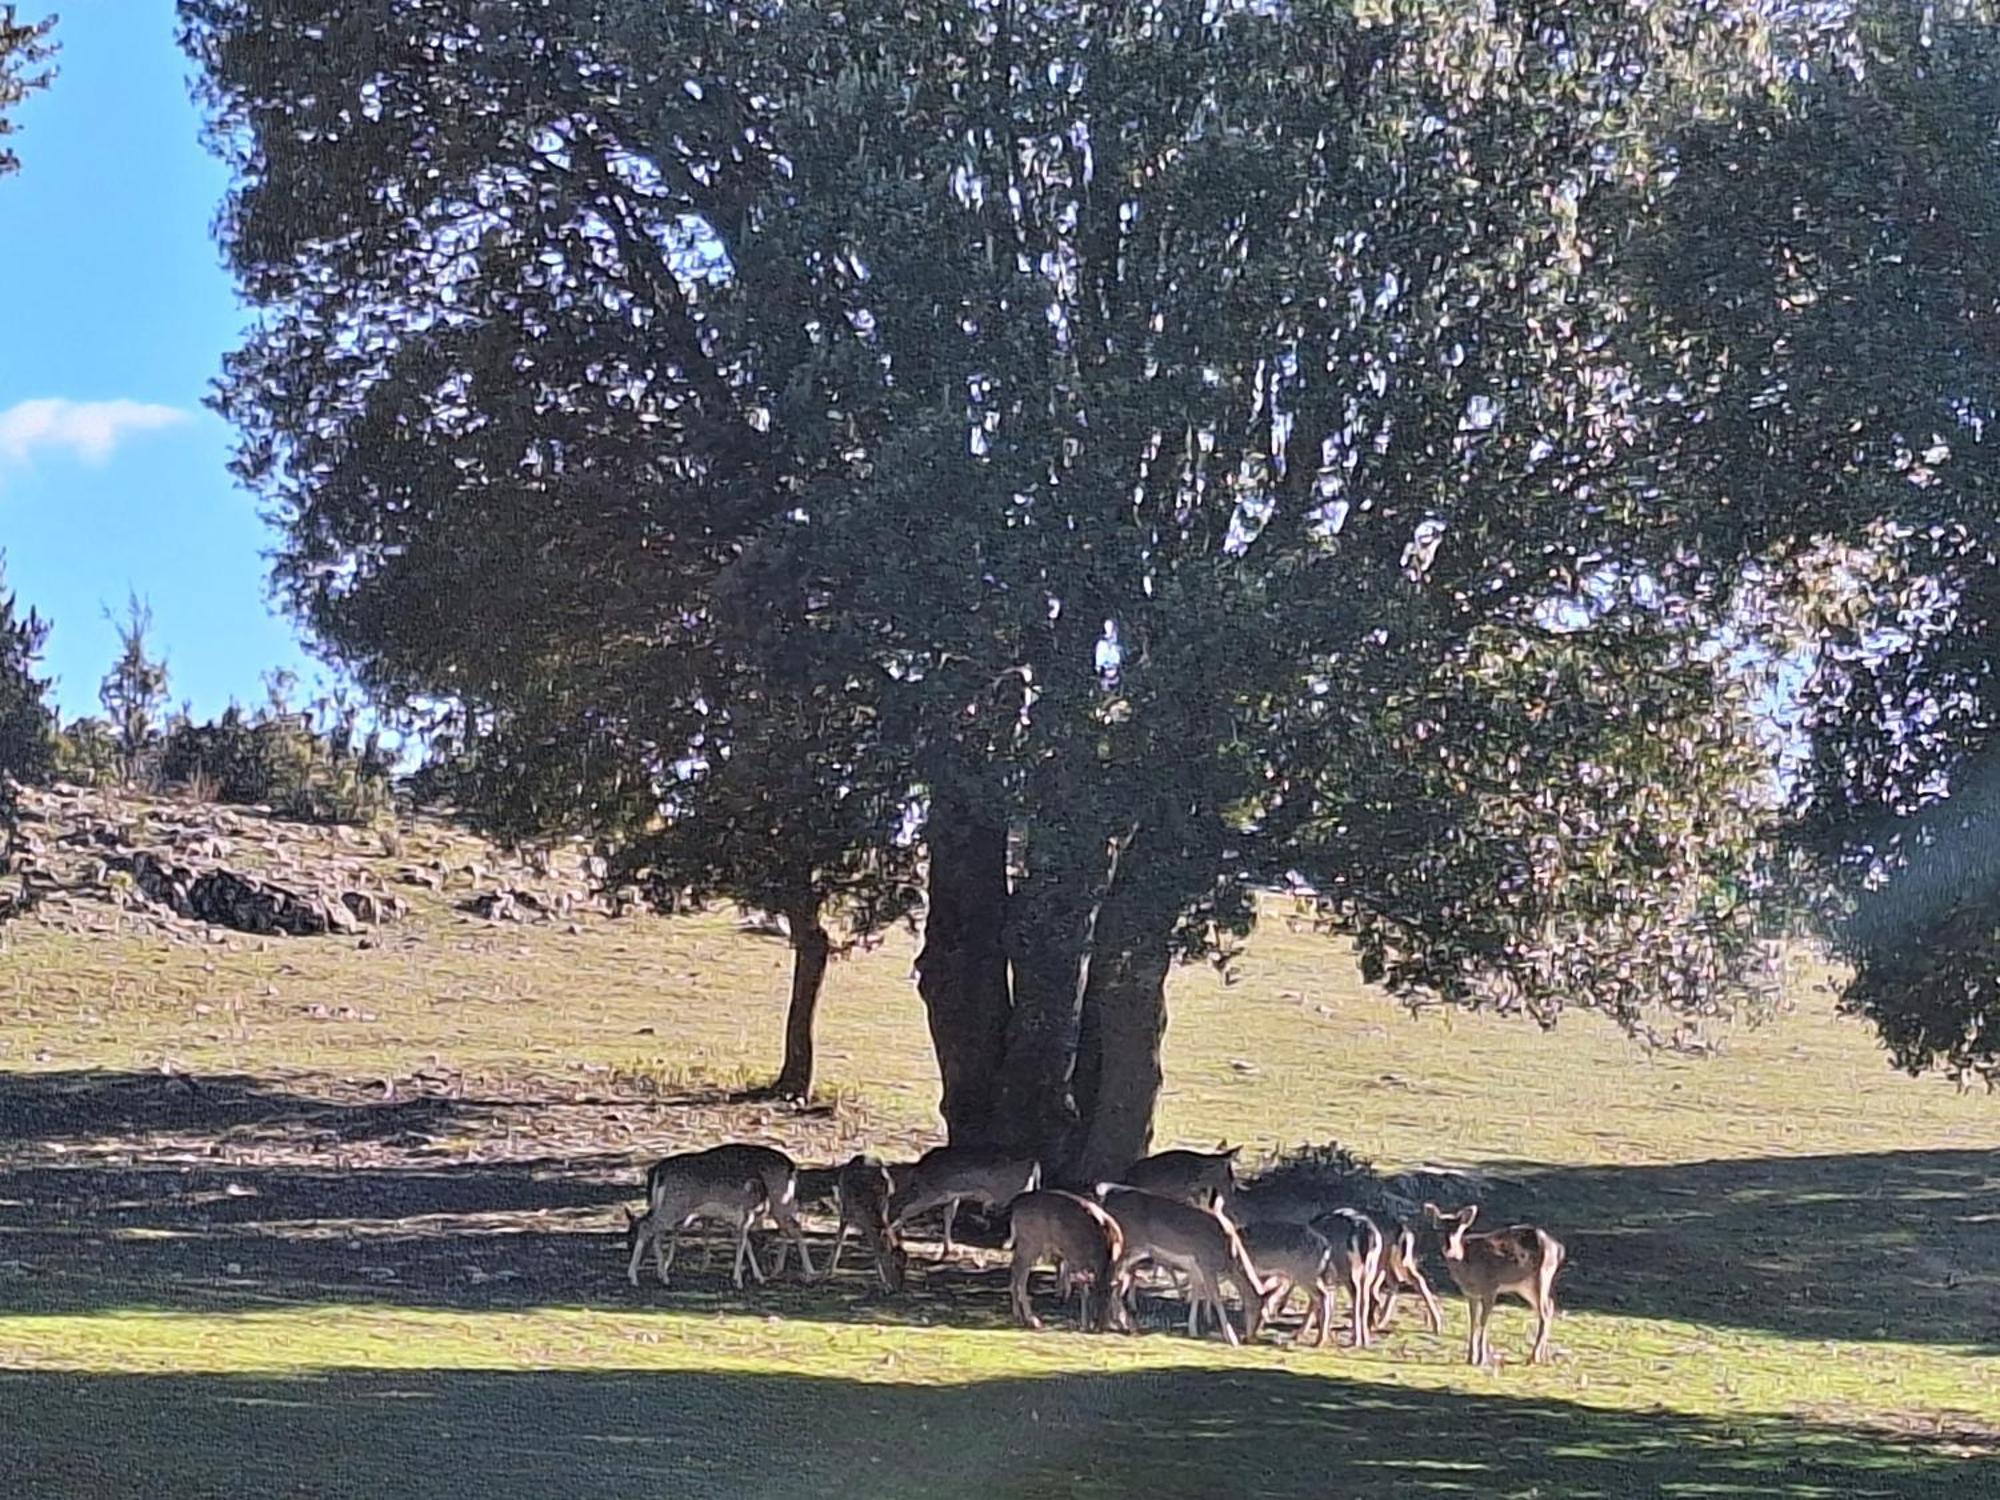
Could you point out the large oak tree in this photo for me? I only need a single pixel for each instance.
(1170, 443)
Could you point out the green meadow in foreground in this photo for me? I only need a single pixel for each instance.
(313, 1219)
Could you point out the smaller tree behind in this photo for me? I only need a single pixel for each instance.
(134, 691)
(27, 724)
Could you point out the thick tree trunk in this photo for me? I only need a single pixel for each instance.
(1054, 943)
(810, 947)
(1125, 1018)
(1033, 1109)
(962, 970)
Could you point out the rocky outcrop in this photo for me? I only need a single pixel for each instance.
(110, 861)
(244, 903)
(92, 860)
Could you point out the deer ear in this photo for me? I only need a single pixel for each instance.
(630, 1217)
(1467, 1214)
(1431, 1214)
(1231, 1153)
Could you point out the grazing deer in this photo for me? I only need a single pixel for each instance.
(1519, 1261)
(1082, 1239)
(1207, 1179)
(1200, 1242)
(682, 1189)
(1288, 1256)
(1402, 1269)
(863, 1190)
(951, 1175)
(1356, 1244)
(734, 1162)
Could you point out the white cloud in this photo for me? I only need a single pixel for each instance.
(88, 429)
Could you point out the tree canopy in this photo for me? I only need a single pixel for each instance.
(24, 50)
(1156, 447)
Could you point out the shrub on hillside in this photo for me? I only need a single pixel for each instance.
(279, 760)
(86, 753)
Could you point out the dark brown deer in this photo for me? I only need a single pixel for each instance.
(863, 1190)
(1402, 1270)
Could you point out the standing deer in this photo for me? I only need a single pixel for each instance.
(682, 1189)
(1202, 1243)
(734, 1163)
(1287, 1256)
(951, 1175)
(1356, 1243)
(1084, 1242)
(863, 1190)
(1518, 1261)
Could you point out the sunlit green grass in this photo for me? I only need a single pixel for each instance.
(1785, 1278)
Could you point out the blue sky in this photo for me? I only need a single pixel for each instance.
(117, 315)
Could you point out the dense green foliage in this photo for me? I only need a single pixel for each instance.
(27, 723)
(282, 760)
(1179, 445)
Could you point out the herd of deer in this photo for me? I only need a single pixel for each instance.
(1181, 1211)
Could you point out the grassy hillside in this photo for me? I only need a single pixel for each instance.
(338, 1217)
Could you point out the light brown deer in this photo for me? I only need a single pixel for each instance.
(1202, 1243)
(737, 1163)
(951, 1175)
(1518, 1261)
(863, 1190)
(1083, 1241)
(682, 1189)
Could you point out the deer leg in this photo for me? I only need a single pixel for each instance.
(1387, 1290)
(1272, 1302)
(1433, 1313)
(1017, 1289)
(650, 1232)
(799, 1237)
(1211, 1291)
(789, 1219)
(839, 1243)
(1545, 1311)
(663, 1254)
(950, 1213)
(1371, 1300)
(1357, 1296)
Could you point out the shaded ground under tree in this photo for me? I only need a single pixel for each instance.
(1167, 1433)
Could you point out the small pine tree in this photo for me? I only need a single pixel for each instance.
(134, 691)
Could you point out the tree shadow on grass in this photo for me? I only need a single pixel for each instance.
(86, 1104)
(1900, 1245)
(624, 1433)
(252, 1204)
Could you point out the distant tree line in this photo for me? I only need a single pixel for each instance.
(312, 764)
